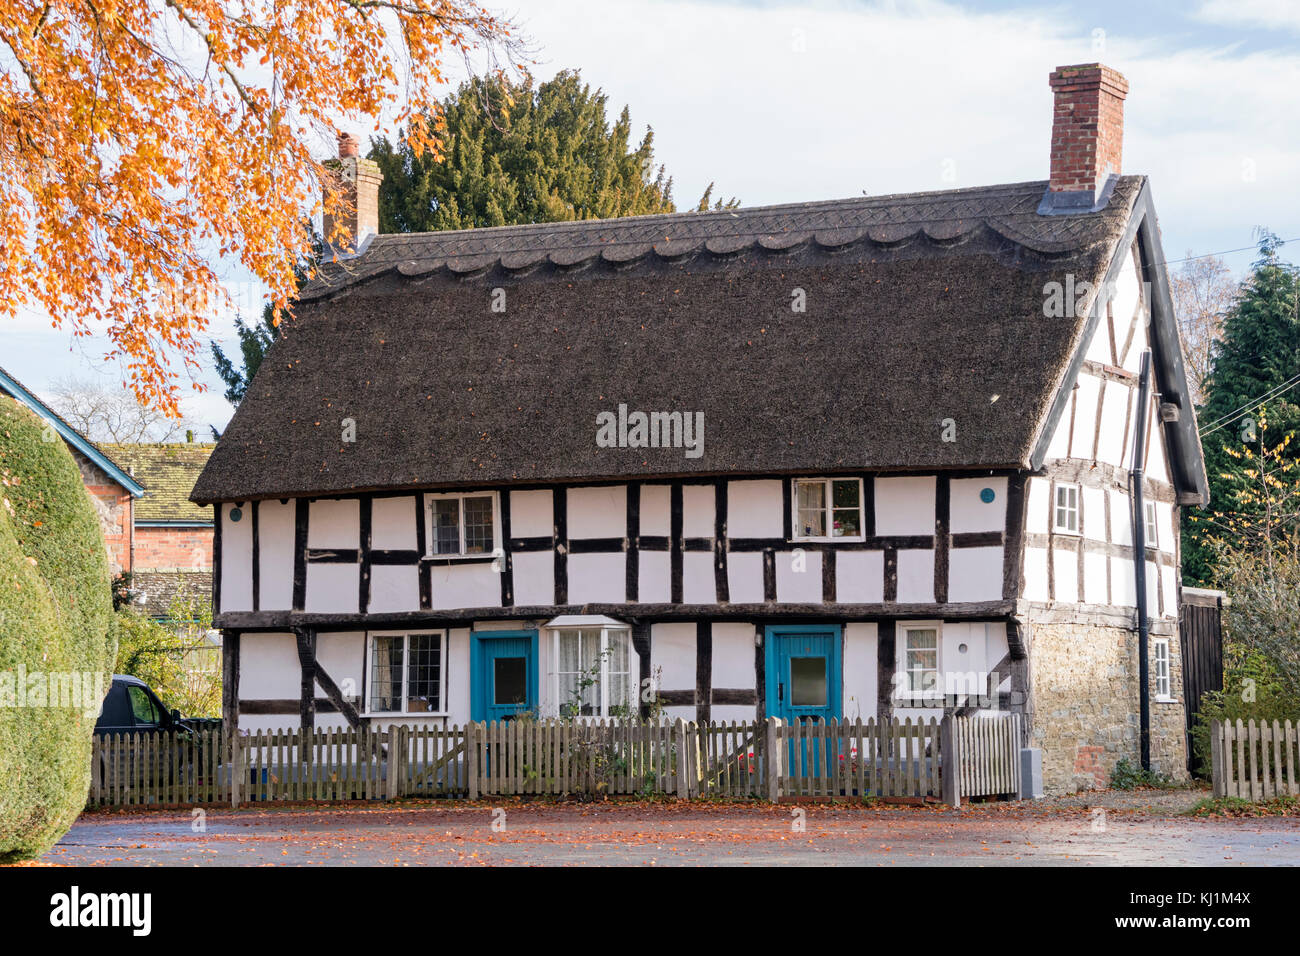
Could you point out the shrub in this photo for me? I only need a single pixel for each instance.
(55, 619)
(169, 657)
(1130, 776)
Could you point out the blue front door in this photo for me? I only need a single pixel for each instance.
(803, 672)
(504, 674)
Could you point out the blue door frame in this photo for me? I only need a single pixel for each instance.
(798, 650)
(810, 655)
(497, 657)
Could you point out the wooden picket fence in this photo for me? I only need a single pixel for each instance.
(1255, 761)
(758, 759)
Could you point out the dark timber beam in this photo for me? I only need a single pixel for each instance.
(306, 638)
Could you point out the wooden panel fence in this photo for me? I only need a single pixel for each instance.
(755, 759)
(1255, 761)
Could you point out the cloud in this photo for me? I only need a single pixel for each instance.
(782, 102)
(1266, 14)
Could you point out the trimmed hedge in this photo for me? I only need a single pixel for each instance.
(56, 618)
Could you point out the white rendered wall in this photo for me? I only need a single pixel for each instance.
(755, 509)
(236, 558)
(532, 514)
(275, 542)
(860, 667)
(393, 524)
(905, 505)
(599, 512)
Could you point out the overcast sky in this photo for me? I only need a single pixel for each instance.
(782, 102)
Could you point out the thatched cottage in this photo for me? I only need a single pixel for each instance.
(882, 455)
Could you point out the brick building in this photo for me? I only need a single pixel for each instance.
(113, 490)
(172, 545)
(141, 494)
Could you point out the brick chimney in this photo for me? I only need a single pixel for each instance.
(358, 181)
(1087, 136)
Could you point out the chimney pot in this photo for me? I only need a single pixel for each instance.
(1087, 136)
(357, 181)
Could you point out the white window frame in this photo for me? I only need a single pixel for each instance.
(1162, 670)
(829, 509)
(429, 538)
(1151, 524)
(406, 663)
(606, 630)
(905, 695)
(1057, 527)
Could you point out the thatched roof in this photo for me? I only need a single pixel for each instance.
(919, 308)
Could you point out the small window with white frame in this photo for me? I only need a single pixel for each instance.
(921, 643)
(593, 675)
(1160, 661)
(1150, 529)
(462, 525)
(827, 509)
(1065, 509)
(406, 672)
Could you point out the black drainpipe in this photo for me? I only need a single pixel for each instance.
(1139, 559)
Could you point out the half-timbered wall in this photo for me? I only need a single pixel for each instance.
(928, 541)
(1092, 447)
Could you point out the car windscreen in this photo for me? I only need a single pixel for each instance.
(142, 706)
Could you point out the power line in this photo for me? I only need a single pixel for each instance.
(1228, 419)
(1249, 403)
(1225, 252)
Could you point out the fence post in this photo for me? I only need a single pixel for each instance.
(471, 759)
(236, 768)
(1216, 757)
(683, 765)
(390, 763)
(950, 761)
(775, 758)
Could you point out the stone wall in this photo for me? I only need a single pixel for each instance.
(1084, 705)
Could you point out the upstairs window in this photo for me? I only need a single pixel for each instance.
(1065, 512)
(461, 526)
(827, 509)
(1152, 539)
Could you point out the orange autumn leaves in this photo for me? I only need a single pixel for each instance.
(146, 146)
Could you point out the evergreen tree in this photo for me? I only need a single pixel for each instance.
(1252, 373)
(254, 340)
(514, 153)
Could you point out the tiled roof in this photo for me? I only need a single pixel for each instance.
(161, 588)
(168, 473)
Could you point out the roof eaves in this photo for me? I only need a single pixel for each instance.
(73, 437)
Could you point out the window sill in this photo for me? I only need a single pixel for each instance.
(1166, 700)
(843, 539)
(408, 716)
(1067, 532)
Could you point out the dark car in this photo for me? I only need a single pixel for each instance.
(131, 707)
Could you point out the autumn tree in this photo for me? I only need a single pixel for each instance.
(1203, 290)
(147, 145)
